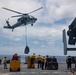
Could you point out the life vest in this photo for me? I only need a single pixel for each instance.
(39, 58)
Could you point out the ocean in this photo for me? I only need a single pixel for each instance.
(60, 59)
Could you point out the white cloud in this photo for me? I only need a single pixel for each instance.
(59, 9)
(53, 10)
(36, 42)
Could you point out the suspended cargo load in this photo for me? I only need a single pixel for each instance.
(26, 51)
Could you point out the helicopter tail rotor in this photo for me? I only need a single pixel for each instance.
(7, 19)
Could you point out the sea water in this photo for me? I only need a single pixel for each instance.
(60, 59)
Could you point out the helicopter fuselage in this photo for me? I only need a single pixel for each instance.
(21, 22)
(24, 19)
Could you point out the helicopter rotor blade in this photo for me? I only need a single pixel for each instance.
(35, 10)
(22, 14)
(11, 10)
(25, 15)
(28, 13)
(16, 16)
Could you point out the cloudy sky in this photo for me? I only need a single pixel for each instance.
(45, 37)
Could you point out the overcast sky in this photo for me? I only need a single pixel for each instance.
(45, 36)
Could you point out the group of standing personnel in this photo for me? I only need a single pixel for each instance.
(32, 60)
(70, 60)
(42, 62)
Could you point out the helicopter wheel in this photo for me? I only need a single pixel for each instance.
(12, 30)
(31, 24)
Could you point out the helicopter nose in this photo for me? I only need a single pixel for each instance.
(35, 19)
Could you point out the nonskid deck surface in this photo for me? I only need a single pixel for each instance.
(62, 70)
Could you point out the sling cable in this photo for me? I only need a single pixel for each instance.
(26, 51)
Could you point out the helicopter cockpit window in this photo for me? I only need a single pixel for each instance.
(31, 17)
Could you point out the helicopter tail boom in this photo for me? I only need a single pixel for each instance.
(8, 27)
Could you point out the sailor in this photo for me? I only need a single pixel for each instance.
(5, 62)
(28, 62)
(42, 61)
(15, 57)
(39, 61)
(69, 62)
(46, 61)
(33, 60)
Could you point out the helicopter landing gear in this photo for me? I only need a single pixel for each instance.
(31, 24)
(12, 30)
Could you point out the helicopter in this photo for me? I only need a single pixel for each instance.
(24, 19)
